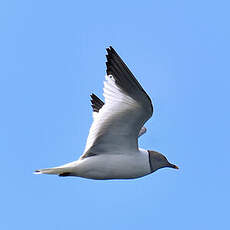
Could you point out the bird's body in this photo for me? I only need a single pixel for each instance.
(110, 166)
(111, 150)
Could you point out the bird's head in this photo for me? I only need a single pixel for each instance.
(158, 160)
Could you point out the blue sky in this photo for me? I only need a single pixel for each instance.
(53, 57)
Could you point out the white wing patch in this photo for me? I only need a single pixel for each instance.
(116, 110)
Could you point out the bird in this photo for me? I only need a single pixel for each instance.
(111, 150)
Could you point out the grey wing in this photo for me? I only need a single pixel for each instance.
(97, 103)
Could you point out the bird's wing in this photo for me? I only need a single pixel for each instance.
(142, 131)
(127, 107)
(97, 104)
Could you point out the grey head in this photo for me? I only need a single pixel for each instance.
(158, 160)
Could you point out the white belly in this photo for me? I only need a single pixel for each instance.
(117, 166)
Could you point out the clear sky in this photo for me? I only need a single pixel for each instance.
(52, 56)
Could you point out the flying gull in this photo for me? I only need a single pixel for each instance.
(111, 150)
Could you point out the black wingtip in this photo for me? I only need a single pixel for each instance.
(110, 49)
(96, 102)
(111, 54)
(92, 95)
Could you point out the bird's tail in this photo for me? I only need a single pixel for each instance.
(55, 171)
(63, 170)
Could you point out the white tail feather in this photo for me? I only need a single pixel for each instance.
(55, 171)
